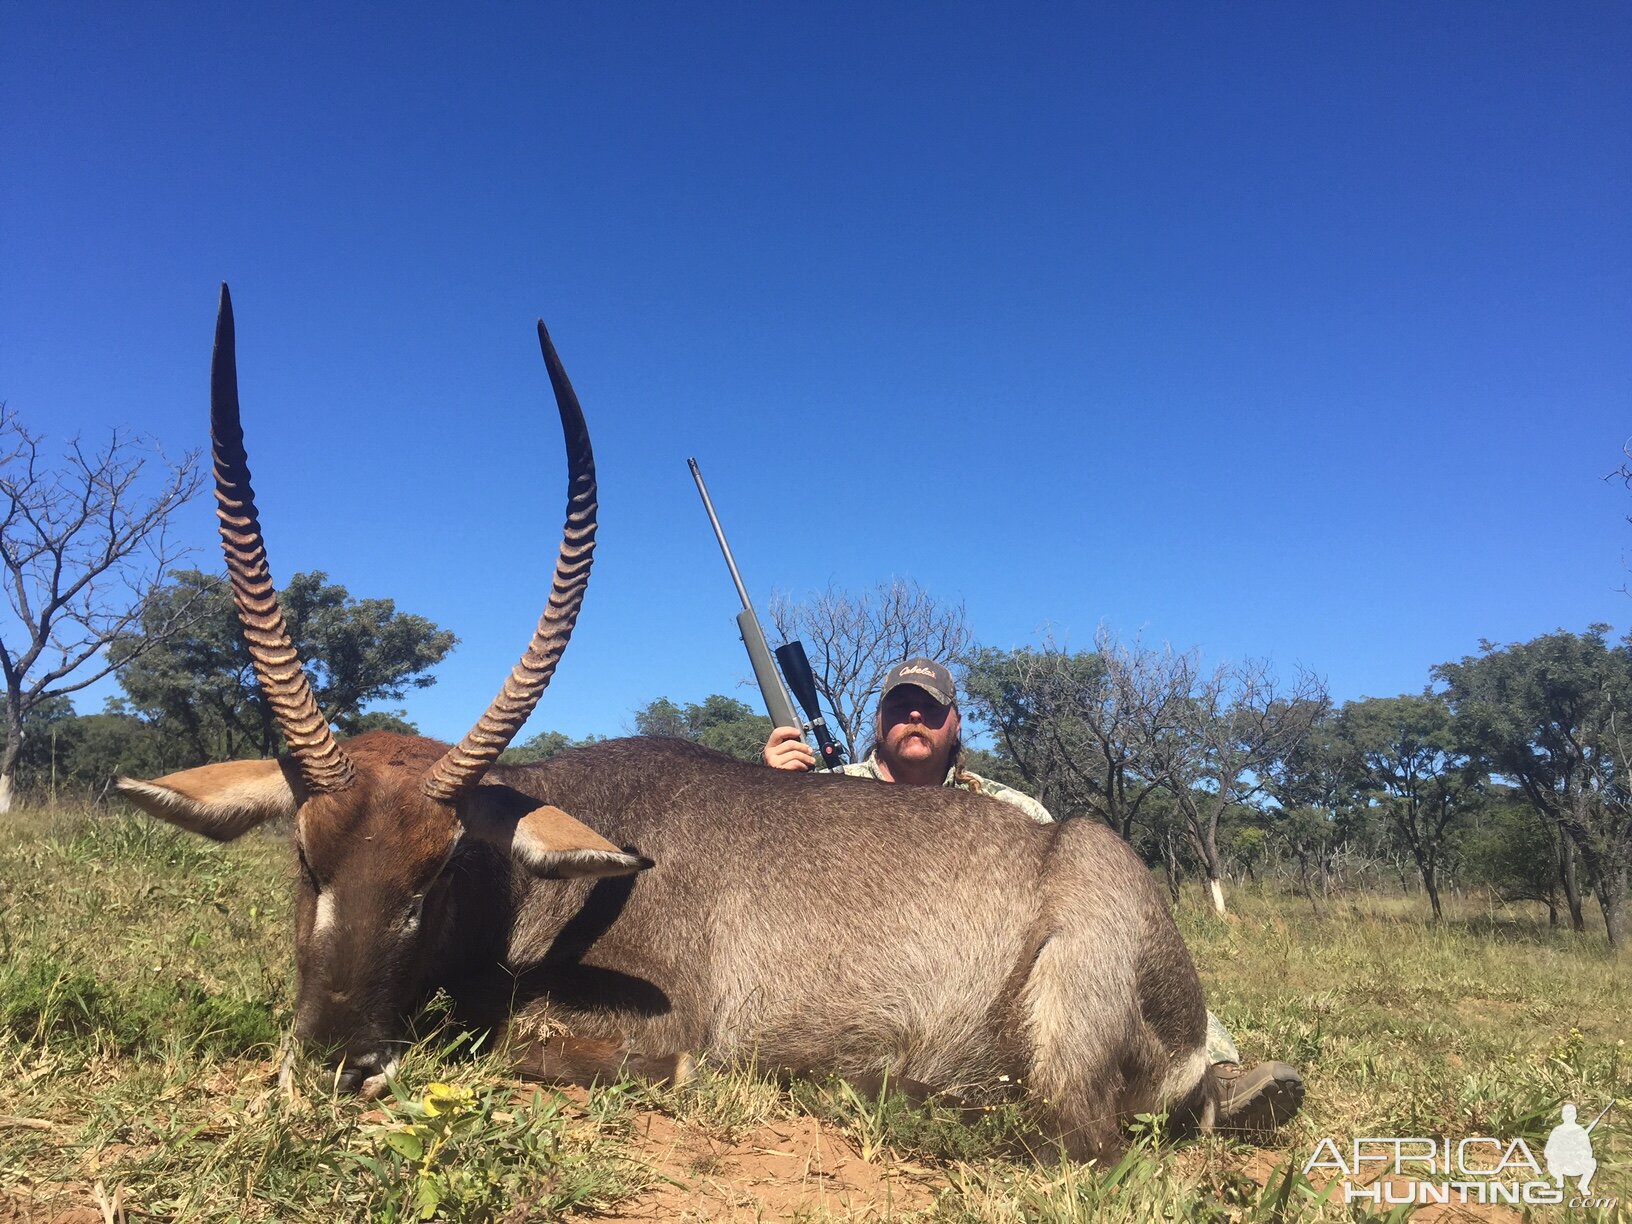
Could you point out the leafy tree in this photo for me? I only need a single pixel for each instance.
(1229, 731)
(1243, 839)
(721, 723)
(542, 747)
(199, 685)
(1553, 715)
(1039, 705)
(1407, 760)
(662, 717)
(49, 731)
(113, 743)
(1163, 836)
(396, 721)
(83, 551)
(1133, 734)
(996, 766)
(1308, 834)
(1080, 727)
(851, 639)
(64, 752)
(1515, 854)
(359, 651)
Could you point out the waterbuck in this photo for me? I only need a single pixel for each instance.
(649, 897)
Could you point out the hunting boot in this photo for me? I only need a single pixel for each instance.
(1256, 1101)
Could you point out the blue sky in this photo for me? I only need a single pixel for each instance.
(1297, 331)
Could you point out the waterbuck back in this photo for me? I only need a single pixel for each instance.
(837, 924)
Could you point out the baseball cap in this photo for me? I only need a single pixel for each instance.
(925, 674)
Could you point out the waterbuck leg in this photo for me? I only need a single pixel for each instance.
(872, 1085)
(563, 1059)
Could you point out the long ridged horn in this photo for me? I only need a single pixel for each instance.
(464, 764)
(323, 765)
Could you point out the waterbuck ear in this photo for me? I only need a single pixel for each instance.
(220, 801)
(544, 839)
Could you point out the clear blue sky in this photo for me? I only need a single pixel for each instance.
(1299, 331)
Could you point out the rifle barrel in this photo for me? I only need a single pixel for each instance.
(1600, 1117)
(777, 703)
(719, 534)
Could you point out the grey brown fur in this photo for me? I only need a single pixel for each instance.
(834, 924)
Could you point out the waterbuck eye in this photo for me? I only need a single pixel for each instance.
(311, 876)
(410, 918)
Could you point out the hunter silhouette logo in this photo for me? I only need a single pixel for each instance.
(1569, 1149)
(1480, 1169)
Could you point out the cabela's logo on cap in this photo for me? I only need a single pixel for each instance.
(922, 673)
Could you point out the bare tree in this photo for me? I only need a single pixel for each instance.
(1231, 728)
(1151, 690)
(1624, 472)
(84, 548)
(850, 639)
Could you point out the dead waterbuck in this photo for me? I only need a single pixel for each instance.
(648, 896)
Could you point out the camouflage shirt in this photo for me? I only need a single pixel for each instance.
(965, 781)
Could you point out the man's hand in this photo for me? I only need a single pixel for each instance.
(786, 749)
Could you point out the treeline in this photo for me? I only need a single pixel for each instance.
(1506, 774)
(189, 695)
(718, 722)
(189, 690)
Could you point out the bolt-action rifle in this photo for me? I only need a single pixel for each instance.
(791, 655)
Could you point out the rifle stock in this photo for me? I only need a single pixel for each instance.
(777, 704)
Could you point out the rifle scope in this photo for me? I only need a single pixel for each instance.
(796, 669)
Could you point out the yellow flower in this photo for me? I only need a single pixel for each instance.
(445, 1098)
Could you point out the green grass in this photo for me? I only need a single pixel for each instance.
(1481, 1025)
(145, 993)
